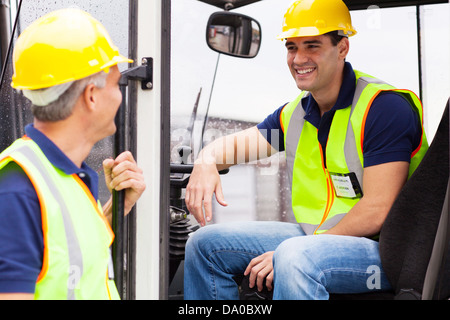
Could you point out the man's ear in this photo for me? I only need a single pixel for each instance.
(343, 47)
(89, 96)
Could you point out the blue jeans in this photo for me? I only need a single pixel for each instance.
(305, 267)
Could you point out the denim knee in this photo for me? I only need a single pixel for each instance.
(286, 257)
(201, 239)
(196, 239)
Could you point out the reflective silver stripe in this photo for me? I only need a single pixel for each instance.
(350, 150)
(308, 228)
(328, 224)
(293, 137)
(73, 246)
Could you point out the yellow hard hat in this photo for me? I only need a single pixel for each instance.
(315, 17)
(60, 47)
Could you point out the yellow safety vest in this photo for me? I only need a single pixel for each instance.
(77, 237)
(316, 203)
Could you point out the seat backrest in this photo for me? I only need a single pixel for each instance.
(408, 234)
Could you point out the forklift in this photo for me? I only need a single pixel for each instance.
(149, 242)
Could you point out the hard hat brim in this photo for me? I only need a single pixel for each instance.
(311, 32)
(114, 61)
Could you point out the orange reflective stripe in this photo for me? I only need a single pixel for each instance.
(421, 136)
(330, 192)
(330, 200)
(107, 285)
(367, 112)
(44, 268)
(281, 118)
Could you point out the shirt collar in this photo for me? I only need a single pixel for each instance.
(61, 161)
(344, 100)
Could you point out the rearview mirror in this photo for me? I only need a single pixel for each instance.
(233, 34)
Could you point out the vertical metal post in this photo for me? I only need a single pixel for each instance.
(5, 29)
(130, 220)
(119, 198)
(122, 226)
(149, 135)
(419, 51)
(11, 108)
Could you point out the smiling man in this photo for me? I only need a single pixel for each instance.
(351, 142)
(316, 65)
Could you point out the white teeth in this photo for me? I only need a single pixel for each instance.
(305, 71)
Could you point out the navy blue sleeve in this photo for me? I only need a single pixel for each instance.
(392, 131)
(271, 129)
(21, 237)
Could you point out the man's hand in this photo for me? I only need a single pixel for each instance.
(123, 173)
(261, 268)
(241, 147)
(203, 183)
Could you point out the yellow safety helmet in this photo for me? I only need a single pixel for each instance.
(315, 17)
(60, 47)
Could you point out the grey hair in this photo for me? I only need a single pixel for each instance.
(62, 108)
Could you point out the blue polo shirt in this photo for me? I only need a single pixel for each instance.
(21, 236)
(392, 131)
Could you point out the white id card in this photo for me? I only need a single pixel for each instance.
(346, 185)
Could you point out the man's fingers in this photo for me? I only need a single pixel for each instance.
(252, 263)
(260, 269)
(207, 205)
(262, 276)
(199, 202)
(193, 201)
(108, 164)
(125, 156)
(219, 195)
(124, 179)
(252, 280)
(269, 281)
(123, 167)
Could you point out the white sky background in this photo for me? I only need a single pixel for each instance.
(250, 89)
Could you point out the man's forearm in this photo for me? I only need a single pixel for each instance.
(363, 220)
(218, 153)
(242, 147)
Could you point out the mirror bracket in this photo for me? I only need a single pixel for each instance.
(229, 6)
(143, 73)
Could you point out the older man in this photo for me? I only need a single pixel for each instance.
(55, 235)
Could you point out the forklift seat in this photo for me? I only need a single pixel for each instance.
(408, 236)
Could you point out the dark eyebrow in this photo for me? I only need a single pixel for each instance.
(313, 42)
(304, 43)
(289, 43)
